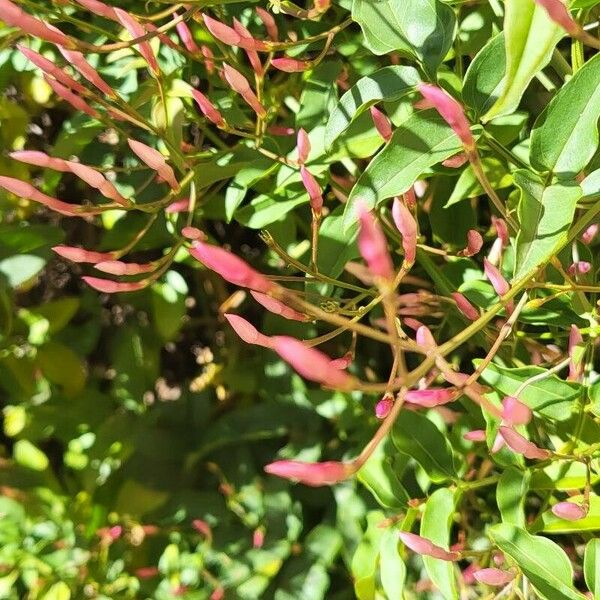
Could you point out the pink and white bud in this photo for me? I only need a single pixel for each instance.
(373, 245)
(281, 130)
(80, 255)
(425, 547)
(230, 267)
(477, 435)
(247, 332)
(96, 180)
(311, 363)
(576, 365)
(99, 8)
(14, 16)
(291, 65)
(456, 161)
(465, 307)
(501, 230)
(222, 32)
(313, 188)
(40, 159)
(569, 511)
(74, 100)
(108, 286)
(425, 338)
(313, 474)
(496, 278)
(155, 160)
(590, 233)
(278, 308)
(250, 52)
(269, 22)
(382, 123)
(384, 407)
(87, 71)
(430, 397)
(118, 267)
(186, 37)
(451, 111)
(136, 30)
(208, 109)
(581, 267)
(474, 243)
(558, 13)
(521, 445)
(192, 233)
(407, 226)
(493, 577)
(515, 412)
(240, 85)
(303, 145)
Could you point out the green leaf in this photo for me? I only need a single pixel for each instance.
(423, 140)
(415, 435)
(30, 456)
(545, 564)
(319, 95)
(266, 209)
(336, 247)
(531, 37)
(551, 397)
(21, 269)
(59, 591)
(392, 570)
(436, 525)
(591, 566)
(62, 366)
(565, 136)
(548, 522)
(420, 29)
(168, 305)
(545, 215)
(364, 561)
(388, 84)
(510, 495)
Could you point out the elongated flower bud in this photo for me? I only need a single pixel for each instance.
(581, 267)
(87, 71)
(240, 85)
(155, 160)
(99, 8)
(313, 474)
(384, 407)
(465, 307)
(96, 180)
(291, 65)
(118, 267)
(514, 412)
(501, 230)
(230, 267)
(373, 246)
(425, 338)
(269, 22)
(382, 123)
(79, 255)
(74, 100)
(493, 577)
(575, 354)
(430, 397)
(407, 226)
(521, 445)
(250, 53)
(247, 332)
(278, 308)
(40, 159)
(136, 30)
(477, 435)
(569, 511)
(423, 546)
(558, 12)
(186, 37)
(108, 286)
(222, 32)
(303, 145)
(41, 62)
(313, 188)
(590, 233)
(178, 206)
(496, 278)
(343, 362)
(208, 108)
(450, 110)
(311, 363)
(456, 161)
(208, 55)
(192, 233)
(14, 16)
(474, 243)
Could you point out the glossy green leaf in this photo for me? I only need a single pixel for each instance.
(364, 561)
(511, 493)
(544, 563)
(388, 84)
(591, 566)
(415, 435)
(392, 570)
(530, 39)
(565, 136)
(436, 525)
(545, 215)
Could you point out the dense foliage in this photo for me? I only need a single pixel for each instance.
(299, 301)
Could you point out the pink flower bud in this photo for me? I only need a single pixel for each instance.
(291, 65)
(108, 286)
(477, 435)
(501, 230)
(74, 100)
(258, 537)
(269, 22)
(496, 278)
(580, 267)
(313, 188)
(474, 243)
(430, 397)
(40, 159)
(425, 338)
(423, 546)
(313, 474)
(208, 59)
(373, 246)
(456, 161)
(222, 32)
(281, 130)
(382, 123)
(558, 12)
(410, 196)
(146, 572)
(450, 110)
(240, 85)
(514, 412)
(247, 332)
(569, 511)
(186, 37)
(250, 52)
(465, 307)
(79, 255)
(136, 30)
(407, 226)
(41, 62)
(118, 267)
(521, 445)
(99, 8)
(311, 363)
(343, 362)
(218, 593)
(155, 160)
(178, 206)
(202, 527)
(278, 308)
(493, 577)
(87, 71)
(230, 267)
(303, 145)
(192, 233)
(96, 180)
(208, 108)
(575, 354)
(14, 16)
(383, 407)
(590, 233)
